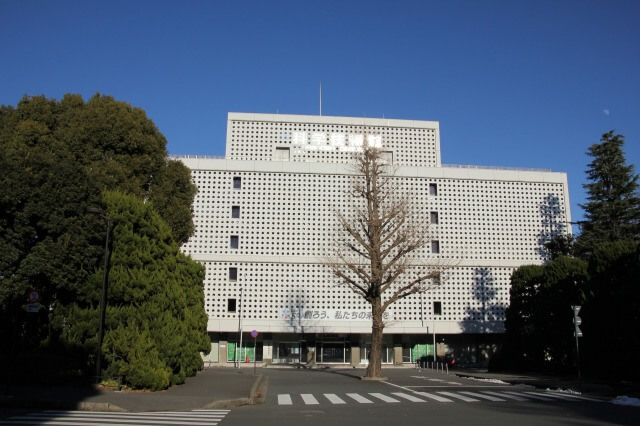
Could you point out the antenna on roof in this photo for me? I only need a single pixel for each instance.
(321, 98)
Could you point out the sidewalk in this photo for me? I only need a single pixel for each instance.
(593, 387)
(210, 388)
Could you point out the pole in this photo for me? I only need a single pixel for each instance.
(434, 339)
(254, 356)
(103, 301)
(422, 308)
(320, 98)
(578, 361)
(240, 324)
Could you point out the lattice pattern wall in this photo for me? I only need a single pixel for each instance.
(292, 214)
(468, 294)
(259, 140)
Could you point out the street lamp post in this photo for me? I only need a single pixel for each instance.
(103, 297)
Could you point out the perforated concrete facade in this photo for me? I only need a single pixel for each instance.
(265, 217)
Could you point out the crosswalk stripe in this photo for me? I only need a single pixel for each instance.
(144, 415)
(335, 399)
(383, 397)
(284, 399)
(359, 398)
(580, 397)
(111, 422)
(462, 397)
(540, 398)
(309, 399)
(552, 395)
(505, 395)
(479, 395)
(434, 397)
(408, 397)
(60, 417)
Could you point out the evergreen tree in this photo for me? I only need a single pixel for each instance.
(613, 209)
(612, 311)
(155, 321)
(539, 319)
(56, 158)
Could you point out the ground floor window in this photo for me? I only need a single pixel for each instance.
(413, 352)
(246, 354)
(290, 353)
(365, 353)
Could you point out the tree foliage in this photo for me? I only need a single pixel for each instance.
(116, 145)
(539, 319)
(613, 209)
(603, 281)
(612, 312)
(379, 245)
(155, 303)
(58, 158)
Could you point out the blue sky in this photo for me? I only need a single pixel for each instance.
(512, 83)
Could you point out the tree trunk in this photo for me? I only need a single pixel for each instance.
(375, 356)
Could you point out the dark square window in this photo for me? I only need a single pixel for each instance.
(437, 308)
(235, 242)
(434, 218)
(433, 189)
(435, 246)
(235, 212)
(237, 182)
(231, 305)
(233, 274)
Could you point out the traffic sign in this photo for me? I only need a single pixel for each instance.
(33, 307)
(34, 296)
(577, 320)
(254, 333)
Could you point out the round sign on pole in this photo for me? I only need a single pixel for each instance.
(34, 296)
(254, 333)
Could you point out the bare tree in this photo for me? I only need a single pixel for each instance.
(380, 250)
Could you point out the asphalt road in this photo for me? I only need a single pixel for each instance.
(413, 397)
(407, 397)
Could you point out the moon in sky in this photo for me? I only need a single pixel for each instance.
(606, 112)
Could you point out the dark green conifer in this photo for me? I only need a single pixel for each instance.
(613, 210)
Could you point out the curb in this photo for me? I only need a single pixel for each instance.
(257, 395)
(259, 390)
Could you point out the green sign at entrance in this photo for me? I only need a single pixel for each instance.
(421, 349)
(246, 353)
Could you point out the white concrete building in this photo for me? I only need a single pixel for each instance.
(264, 217)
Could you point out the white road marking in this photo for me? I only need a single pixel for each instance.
(383, 397)
(580, 397)
(506, 395)
(61, 417)
(479, 395)
(434, 397)
(309, 399)
(335, 399)
(408, 397)
(562, 397)
(359, 398)
(284, 399)
(540, 398)
(462, 397)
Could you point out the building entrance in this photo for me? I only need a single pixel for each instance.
(387, 354)
(290, 353)
(333, 352)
